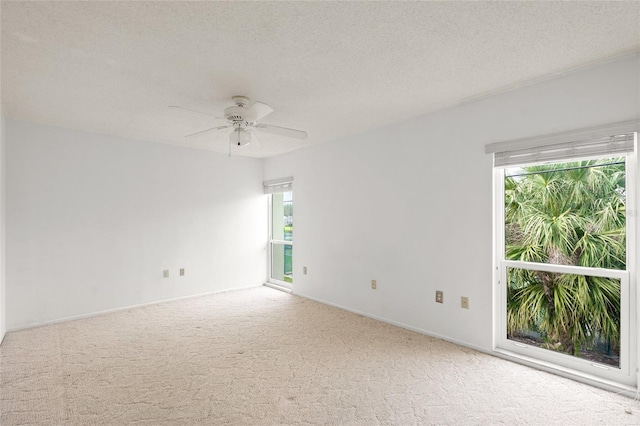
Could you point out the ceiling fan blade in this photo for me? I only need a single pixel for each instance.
(255, 141)
(258, 110)
(282, 131)
(206, 130)
(195, 110)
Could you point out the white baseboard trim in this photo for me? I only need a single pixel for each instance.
(278, 287)
(125, 308)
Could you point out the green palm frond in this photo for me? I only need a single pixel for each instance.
(567, 213)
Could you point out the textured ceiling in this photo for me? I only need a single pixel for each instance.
(330, 68)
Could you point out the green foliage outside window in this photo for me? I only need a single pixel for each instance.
(568, 214)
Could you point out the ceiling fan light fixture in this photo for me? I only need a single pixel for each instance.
(240, 137)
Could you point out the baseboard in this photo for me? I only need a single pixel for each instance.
(278, 287)
(125, 308)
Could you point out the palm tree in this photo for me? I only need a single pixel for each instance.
(569, 214)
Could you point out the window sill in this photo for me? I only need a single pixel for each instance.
(278, 287)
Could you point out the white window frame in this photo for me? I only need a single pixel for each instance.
(626, 376)
(271, 187)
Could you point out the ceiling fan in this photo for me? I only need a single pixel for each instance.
(242, 120)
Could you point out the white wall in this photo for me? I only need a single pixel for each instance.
(411, 204)
(93, 220)
(3, 168)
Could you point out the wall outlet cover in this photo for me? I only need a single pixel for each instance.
(464, 302)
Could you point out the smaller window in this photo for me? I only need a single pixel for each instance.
(280, 263)
(281, 241)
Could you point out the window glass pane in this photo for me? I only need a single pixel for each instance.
(573, 314)
(287, 200)
(282, 230)
(570, 213)
(282, 216)
(281, 262)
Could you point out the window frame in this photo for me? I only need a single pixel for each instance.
(271, 242)
(566, 364)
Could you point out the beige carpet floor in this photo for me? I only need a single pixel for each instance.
(263, 357)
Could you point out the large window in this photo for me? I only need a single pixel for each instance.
(565, 255)
(566, 214)
(280, 231)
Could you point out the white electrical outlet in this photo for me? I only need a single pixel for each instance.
(165, 273)
(464, 302)
(182, 272)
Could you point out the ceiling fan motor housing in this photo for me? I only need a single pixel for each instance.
(238, 112)
(235, 113)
